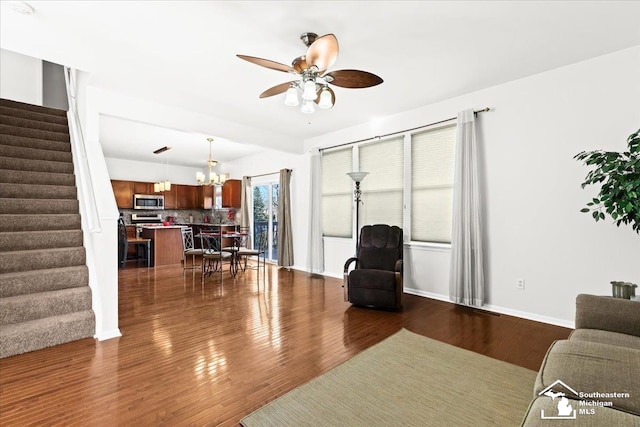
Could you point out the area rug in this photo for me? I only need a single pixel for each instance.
(407, 380)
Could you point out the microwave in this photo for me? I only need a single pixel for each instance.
(148, 201)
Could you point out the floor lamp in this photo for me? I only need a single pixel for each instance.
(357, 177)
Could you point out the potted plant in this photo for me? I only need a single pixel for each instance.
(619, 196)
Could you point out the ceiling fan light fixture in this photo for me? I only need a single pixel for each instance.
(325, 99)
(291, 99)
(307, 107)
(309, 93)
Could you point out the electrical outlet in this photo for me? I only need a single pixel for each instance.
(520, 283)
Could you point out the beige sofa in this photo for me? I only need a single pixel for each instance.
(592, 378)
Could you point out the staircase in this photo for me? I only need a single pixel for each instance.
(45, 299)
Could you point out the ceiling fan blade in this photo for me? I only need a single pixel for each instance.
(323, 52)
(267, 63)
(353, 79)
(281, 88)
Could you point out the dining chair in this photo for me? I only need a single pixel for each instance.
(212, 256)
(125, 241)
(258, 252)
(189, 247)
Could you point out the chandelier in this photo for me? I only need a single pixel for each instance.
(214, 179)
(165, 185)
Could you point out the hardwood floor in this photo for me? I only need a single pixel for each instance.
(209, 355)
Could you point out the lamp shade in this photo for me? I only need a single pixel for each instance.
(357, 176)
(325, 99)
(307, 107)
(292, 97)
(309, 92)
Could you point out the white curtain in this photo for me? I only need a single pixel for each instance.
(466, 280)
(285, 231)
(246, 207)
(316, 250)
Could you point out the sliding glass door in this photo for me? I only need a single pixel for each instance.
(265, 218)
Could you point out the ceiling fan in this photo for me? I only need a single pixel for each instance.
(312, 79)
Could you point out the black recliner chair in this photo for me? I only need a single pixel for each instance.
(376, 280)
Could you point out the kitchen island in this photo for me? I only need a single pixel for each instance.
(166, 244)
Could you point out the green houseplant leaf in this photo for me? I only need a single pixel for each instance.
(619, 176)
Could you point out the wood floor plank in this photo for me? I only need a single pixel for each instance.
(209, 354)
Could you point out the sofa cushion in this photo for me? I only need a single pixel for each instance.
(591, 367)
(373, 279)
(606, 337)
(589, 417)
(608, 314)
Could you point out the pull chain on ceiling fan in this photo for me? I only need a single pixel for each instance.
(312, 79)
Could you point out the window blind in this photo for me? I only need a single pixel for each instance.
(432, 161)
(337, 193)
(382, 189)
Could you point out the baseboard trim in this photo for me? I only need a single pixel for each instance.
(497, 309)
(107, 335)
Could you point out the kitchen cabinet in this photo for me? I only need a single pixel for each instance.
(231, 191)
(171, 197)
(123, 192)
(142, 187)
(187, 196)
(204, 197)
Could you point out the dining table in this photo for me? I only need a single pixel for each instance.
(236, 240)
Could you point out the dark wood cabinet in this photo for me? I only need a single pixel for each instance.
(231, 191)
(142, 187)
(179, 197)
(123, 192)
(187, 196)
(171, 197)
(205, 197)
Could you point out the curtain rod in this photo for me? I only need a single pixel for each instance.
(484, 110)
(270, 173)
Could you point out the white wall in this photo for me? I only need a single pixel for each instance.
(20, 77)
(532, 187)
(131, 170)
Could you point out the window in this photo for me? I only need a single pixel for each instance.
(382, 201)
(337, 193)
(430, 155)
(432, 159)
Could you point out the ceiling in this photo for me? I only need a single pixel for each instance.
(182, 53)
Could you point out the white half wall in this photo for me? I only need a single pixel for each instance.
(532, 192)
(20, 77)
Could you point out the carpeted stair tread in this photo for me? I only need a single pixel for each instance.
(41, 259)
(37, 178)
(9, 163)
(28, 191)
(41, 144)
(47, 332)
(28, 222)
(32, 240)
(33, 115)
(29, 107)
(33, 124)
(34, 281)
(23, 308)
(35, 153)
(45, 299)
(38, 206)
(33, 133)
